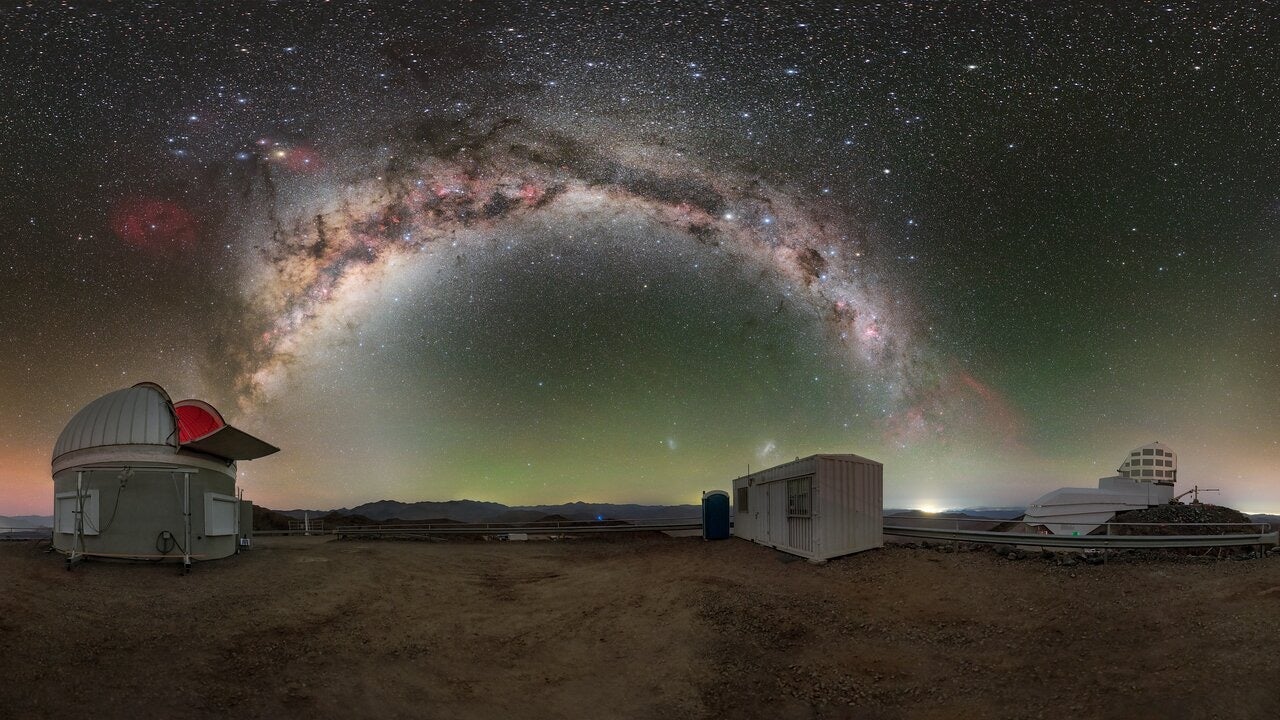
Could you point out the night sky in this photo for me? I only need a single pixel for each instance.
(537, 253)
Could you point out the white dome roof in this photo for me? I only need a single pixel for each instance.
(140, 415)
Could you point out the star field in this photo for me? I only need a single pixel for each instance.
(617, 252)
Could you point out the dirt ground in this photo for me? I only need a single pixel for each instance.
(650, 627)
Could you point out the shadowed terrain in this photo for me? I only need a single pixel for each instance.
(648, 627)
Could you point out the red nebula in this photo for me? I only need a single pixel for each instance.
(302, 159)
(152, 223)
(531, 193)
(958, 400)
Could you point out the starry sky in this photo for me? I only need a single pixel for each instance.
(544, 252)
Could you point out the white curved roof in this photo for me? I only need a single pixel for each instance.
(140, 415)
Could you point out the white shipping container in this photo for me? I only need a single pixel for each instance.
(818, 507)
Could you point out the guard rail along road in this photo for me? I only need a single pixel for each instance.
(1264, 537)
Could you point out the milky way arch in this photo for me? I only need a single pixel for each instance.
(449, 186)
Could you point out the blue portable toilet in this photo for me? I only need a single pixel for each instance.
(715, 515)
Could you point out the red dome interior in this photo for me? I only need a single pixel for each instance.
(195, 422)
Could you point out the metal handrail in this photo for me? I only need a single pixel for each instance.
(554, 527)
(888, 519)
(1018, 519)
(1213, 524)
(1085, 541)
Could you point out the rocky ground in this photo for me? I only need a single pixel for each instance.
(649, 627)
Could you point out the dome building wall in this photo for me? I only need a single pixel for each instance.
(128, 506)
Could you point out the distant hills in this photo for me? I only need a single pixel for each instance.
(1002, 513)
(994, 513)
(22, 527)
(965, 519)
(474, 511)
(26, 522)
(1266, 518)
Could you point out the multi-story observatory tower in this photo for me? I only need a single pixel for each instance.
(1145, 478)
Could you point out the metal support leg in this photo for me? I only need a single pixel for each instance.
(186, 522)
(77, 539)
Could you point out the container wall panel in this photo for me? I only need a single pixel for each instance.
(851, 505)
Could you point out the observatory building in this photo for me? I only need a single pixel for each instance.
(138, 476)
(1144, 479)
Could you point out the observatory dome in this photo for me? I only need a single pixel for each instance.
(140, 415)
(138, 476)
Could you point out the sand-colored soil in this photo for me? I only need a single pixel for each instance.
(634, 628)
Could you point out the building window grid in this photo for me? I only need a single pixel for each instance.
(799, 497)
(1141, 467)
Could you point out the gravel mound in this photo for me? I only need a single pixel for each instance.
(1196, 513)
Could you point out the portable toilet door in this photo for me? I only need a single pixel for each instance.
(715, 515)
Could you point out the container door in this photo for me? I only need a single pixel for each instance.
(766, 528)
(777, 514)
(743, 512)
(759, 512)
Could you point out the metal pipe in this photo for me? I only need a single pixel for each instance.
(1084, 541)
(128, 556)
(78, 538)
(135, 468)
(186, 520)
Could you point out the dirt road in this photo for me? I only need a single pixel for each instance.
(634, 628)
